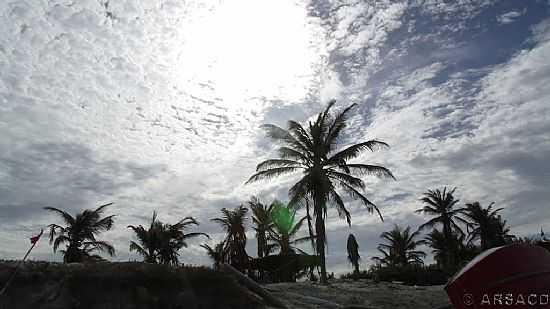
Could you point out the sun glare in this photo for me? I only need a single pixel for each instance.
(248, 49)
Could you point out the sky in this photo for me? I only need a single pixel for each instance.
(157, 106)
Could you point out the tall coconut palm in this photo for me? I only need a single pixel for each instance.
(80, 233)
(400, 248)
(325, 167)
(216, 253)
(484, 225)
(161, 242)
(353, 253)
(233, 222)
(261, 217)
(441, 205)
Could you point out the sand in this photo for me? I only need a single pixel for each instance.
(361, 294)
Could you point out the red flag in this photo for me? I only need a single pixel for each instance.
(35, 239)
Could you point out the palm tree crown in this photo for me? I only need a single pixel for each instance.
(441, 204)
(283, 234)
(484, 224)
(261, 217)
(80, 232)
(161, 242)
(400, 248)
(314, 152)
(216, 253)
(233, 222)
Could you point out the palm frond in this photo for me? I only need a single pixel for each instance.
(270, 173)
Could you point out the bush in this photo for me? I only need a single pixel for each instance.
(363, 274)
(411, 275)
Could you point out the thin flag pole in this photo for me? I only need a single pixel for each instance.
(34, 241)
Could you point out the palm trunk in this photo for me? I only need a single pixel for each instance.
(310, 226)
(450, 250)
(320, 229)
(261, 244)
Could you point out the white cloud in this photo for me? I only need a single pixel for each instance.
(509, 17)
(158, 107)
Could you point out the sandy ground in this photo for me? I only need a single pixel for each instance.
(362, 294)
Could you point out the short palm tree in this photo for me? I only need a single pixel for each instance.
(161, 242)
(283, 234)
(80, 234)
(441, 205)
(484, 224)
(261, 217)
(233, 222)
(353, 253)
(216, 253)
(325, 168)
(400, 248)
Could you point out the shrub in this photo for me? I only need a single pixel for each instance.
(411, 275)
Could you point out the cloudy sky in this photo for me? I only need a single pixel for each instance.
(156, 105)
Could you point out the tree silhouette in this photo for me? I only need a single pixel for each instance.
(161, 242)
(485, 225)
(441, 205)
(285, 229)
(217, 253)
(325, 168)
(261, 217)
(353, 253)
(233, 222)
(400, 248)
(80, 234)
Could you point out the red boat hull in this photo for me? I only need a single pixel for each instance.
(515, 276)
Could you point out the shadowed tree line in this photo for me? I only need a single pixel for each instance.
(329, 178)
(456, 235)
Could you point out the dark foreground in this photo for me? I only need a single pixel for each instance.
(147, 286)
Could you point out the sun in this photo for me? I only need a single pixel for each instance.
(248, 49)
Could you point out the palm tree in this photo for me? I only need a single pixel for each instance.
(284, 232)
(325, 168)
(436, 240)
(149, 240)
(353, 253)
(442, 206)
(162, 242)
(261, 217)
(400, 249)
(233, 222)
(484, 225)
(459, 251)
(217, 253)
(80, 234)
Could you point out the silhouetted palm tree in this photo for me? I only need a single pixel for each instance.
(233, 222)
(80, 234)
(400, 249)
(441, 205)
(353, 253)
(261, 217)
(459, 251)
(484, 225)
(216, 254)
(314, 152)
(284, 232)
(161, 242)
